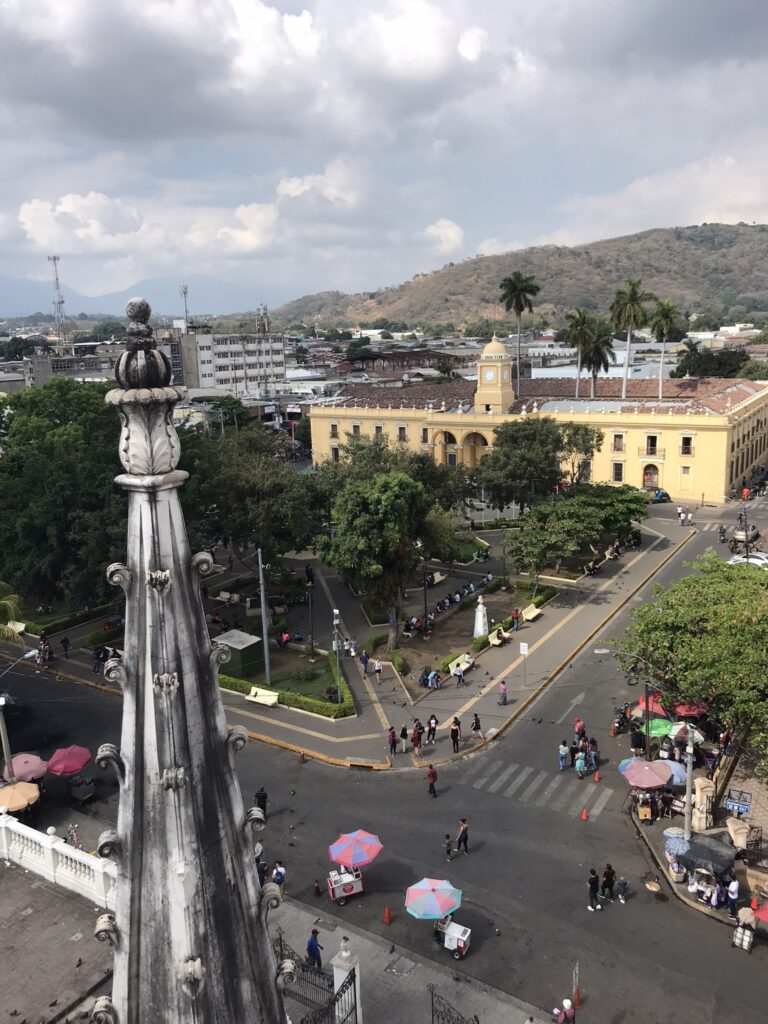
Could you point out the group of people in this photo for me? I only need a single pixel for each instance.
(685, 516)
(602, 888)
(583, 752)
(420, 735)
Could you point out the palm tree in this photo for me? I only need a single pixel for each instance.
(516, 294)
(664, 320)
(599, 355)
(10, 611)
(579, 334)
(628, 312)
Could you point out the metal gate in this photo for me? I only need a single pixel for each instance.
(313, 988)
(444, 1013)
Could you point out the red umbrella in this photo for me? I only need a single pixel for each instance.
(648, 774)
(655, 707)
(761, 914)
(68, 760)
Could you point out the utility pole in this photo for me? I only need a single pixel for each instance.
(264, 620)
(688, 787)
(58, 302)
(6, 745)
(336, 646)
(184, 292)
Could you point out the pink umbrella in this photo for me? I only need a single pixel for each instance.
(648, 774)
(26, 767)
(68, 760)
(432, 898)
(354, 849)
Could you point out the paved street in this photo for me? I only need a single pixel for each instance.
(530, 852)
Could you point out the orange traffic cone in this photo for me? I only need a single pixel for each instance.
(613, 728)
(577, 999)
(754, 904)
(584, 814)
(387, 915)
(597, 776)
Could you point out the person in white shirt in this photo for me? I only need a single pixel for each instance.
(733, 896)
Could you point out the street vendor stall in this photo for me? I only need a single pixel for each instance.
(351, 851)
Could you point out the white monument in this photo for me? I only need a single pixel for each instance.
(481, 618)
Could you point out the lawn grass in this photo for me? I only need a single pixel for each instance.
(309, 681)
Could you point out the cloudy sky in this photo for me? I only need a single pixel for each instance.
(290, 147)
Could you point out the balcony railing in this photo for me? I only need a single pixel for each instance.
(651, 453)
(686, 449)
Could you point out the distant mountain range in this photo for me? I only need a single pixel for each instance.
(717, 268)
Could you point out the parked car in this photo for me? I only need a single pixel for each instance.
(754, 559)
(740, 534)
(658, 497)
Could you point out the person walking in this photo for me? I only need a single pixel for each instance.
(404, 739)
(621, 889)
(462, 837)
(377, 670)
(562, 753)
(65, 645)
(516, 619)
(477, 732)
(502, 693)
(392, 741)
(689, 518)
(455, 734)
(458, 674)
(416, 737)
(448, 846)
(278, 876)
(733, 897)
(364, 661)
(432, 724)
(565, 1016)
(607, 883)
(581, 763)
(594, 754)
(593, 884)
(431, 778)
(313, 949)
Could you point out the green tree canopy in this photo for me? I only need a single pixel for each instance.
(524, 466)
(578, 445)
(753, 370)
(695, 361)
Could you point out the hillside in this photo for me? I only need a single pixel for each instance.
(718, 268)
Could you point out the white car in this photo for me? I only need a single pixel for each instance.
(755, 558)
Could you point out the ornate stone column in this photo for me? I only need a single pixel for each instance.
(189, 929)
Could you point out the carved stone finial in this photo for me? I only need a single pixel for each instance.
(141, 365)
(103, 1011)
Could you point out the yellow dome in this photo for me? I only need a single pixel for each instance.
(494, 348)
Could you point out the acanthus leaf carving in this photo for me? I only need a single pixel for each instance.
(173, 778)
(191, 975)
(165, 682)
(159, 579)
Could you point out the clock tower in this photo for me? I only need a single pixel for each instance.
(495, 391)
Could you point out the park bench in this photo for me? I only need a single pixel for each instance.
(530, 614)
(223, 595)
(261, 696)
(439, 577)
(464, 661)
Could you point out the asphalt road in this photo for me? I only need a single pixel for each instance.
(649, 961)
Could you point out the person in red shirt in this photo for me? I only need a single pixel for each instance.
(416, 740)
(431, 779)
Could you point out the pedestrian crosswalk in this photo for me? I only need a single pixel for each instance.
(557, 791)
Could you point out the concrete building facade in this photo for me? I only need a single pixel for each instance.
(699, 441)
(242, 364)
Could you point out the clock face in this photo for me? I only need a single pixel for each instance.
(490, 375)
(505, 374)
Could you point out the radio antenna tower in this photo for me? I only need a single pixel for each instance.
(184, 292)
(58, 302)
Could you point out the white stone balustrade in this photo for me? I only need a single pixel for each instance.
(53, 859)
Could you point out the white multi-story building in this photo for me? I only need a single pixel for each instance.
(242, 364)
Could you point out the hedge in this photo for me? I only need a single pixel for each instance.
(545, 593)
(480, 642)
(73, 619)
(397, 659)
(103, 636)
(445, 664)
(295, 700)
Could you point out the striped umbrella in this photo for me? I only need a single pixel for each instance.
(432, 898)
(354, 849)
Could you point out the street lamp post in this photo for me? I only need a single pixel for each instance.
(310, 589)
(264, 620)
(336, 645)
(688, 787)
(6, 744)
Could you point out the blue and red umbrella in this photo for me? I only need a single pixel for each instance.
(432, 898)
(354, 849)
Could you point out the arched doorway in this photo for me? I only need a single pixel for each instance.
(475, 447)
(651, 477)
(446, 449)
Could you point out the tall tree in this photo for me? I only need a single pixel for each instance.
(664, 319)
(578, 334)
(524, 466)
(578, 445)
(628, 312)
(517, 291)
(10, 611)
(599, 353)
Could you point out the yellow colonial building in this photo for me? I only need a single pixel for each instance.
(704, 437)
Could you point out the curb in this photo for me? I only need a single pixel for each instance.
(313, 755)
(535, 694)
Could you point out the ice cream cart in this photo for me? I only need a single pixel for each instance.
(345, 883)
(453, 937)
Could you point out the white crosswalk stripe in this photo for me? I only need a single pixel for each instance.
(555, 791)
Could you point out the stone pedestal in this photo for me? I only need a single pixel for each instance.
(343, 962)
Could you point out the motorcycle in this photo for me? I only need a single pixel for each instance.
(721, 535)
(621, 718)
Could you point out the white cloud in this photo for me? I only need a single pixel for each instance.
(445, 235)
(472, 43)
(338, 184)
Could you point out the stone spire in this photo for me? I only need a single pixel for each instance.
(189, 929)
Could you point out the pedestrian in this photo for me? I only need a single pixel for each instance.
(458, 673)
(516, 619)
(573, 751)
(455, 734)
(682, 518)
(593, 884)
(432, 724)
(579, 729)
(404, 738)
(364, 660)
(477, 732)
(733, 896)
(679, 511)
(313, 950)
(502, 693)
(377, 670)
(261, 868)
(565, 1016)
(581, 763)
(278, 876)
(462, 837)
(621, 889)
(416, 738)
(607, 883)
(594, 753)
(97, 660)
(431, 780)
(65, 645)
(346, 648)
(448, 846)
(689, 518)
(392, 740)
(562, 753)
